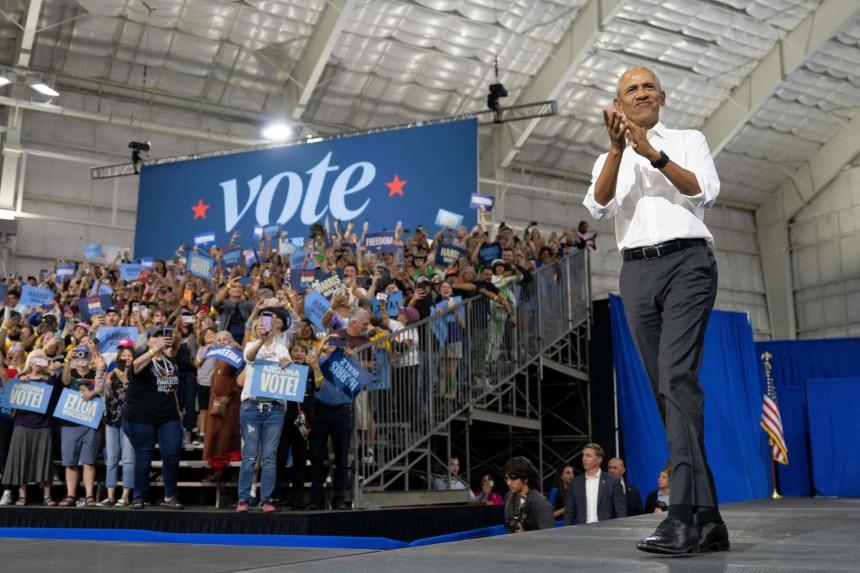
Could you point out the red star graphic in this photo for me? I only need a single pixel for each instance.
(199, 210)
(396, 186)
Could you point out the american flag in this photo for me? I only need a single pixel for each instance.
(771, 421)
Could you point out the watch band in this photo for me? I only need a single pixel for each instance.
(660, 163)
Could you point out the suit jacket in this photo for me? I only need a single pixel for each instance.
(610, 500)
(634, 500)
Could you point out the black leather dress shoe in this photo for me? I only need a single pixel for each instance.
(672, 537)
(713, 536)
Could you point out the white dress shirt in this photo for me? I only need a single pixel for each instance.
(592, 485)
(647, 208)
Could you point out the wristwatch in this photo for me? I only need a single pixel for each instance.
(660, 163)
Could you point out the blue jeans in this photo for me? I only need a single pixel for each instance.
(118, 446)
(143, 438)
(261, 426)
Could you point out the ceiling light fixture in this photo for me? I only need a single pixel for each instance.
(277, 131)
(39, 85)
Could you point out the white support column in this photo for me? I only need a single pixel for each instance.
(11, 160)
(772, 228)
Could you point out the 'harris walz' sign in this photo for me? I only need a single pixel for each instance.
(390, 176)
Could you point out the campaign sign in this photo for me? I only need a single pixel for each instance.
(258, 231)
(203, 239)
(326, 284)
(345, 373)
(316, 305)
(231, 258)
(30, 396)
(381, 370)
(296, 185)
(302, 280)
(269, 380)
(297, 259)
(109, 336)
(489, 252)
(250, 257)
(93, 251)
(271, 230)
(447, 255)
(445, 304)
(73, 408)
(65, 271)
(201, 265)
(395, 300)
(90, 305)
(147, 263)
(379, 243)
(445, 218)
(4, 290)
(35, 296)
(5, 413)
(439, 327)
(486, 201)
(285, 248)
(129, 272)
(228, 354)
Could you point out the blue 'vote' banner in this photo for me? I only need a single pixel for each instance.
(35, 296)
(345, 373)
(30, 396)
(445, 218)
(269, 380)
(201, 265)
(228, 354)
(109, 336)
(395, 175)
(93, 251)
(73, 408)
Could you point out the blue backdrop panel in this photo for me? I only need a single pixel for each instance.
(833, 434)
(398, 175)
(737, 447)
(795, 361)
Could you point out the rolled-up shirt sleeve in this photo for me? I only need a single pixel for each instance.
(597, 210)
(700, 162)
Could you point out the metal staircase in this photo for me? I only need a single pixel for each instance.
(465, 368)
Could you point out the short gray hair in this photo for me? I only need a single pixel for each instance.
(358, 313)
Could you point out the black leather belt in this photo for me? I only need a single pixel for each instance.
(661, 250)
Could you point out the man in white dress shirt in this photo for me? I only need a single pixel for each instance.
(657, 183)
(593, 495)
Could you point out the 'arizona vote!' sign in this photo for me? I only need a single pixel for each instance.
(30, 396)
(387, 176)
(73, 408)
(269, 380)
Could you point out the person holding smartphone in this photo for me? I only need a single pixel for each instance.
(261, 419)
(117, 445)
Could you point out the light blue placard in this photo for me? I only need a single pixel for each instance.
(129, 272)
(30, 396)
(258, 231)
(203, 239)
(93, 251)
(271, 230)
(297, 259)
(35, 296)
(228, 354)
(109, 336)
(439, 326)
(147, 263)
(73, 408)
(395, 299)
(201, 265)
(445, 218)
(269, 380)
(231, 258)
(316, 305)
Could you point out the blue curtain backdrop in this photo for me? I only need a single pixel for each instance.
(833, 434)
(794, 362)
(736, 444)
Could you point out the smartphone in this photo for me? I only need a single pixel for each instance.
(337, 341)
(266, 322)
(364, 282)
(381, 297)
(204, 309)
(187, 295)
(267, 273)
(143, 312)
(134, 306)
(188, 319)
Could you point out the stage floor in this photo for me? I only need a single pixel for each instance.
(797, 534)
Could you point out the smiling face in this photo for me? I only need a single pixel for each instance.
(640, 97)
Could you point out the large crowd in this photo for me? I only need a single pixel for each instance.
(162, 384)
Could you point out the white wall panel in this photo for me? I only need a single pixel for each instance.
(825, 259)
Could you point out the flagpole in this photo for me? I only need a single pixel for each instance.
(775, 494)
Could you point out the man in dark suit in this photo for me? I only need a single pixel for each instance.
(632, 496)
(593, 495)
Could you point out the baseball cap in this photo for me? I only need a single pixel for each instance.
(125, 343)
(410, 313)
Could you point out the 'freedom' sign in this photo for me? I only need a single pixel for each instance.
(271, 381)
(30, 396)
(379, 242)
(73, 408)
(226, 353)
